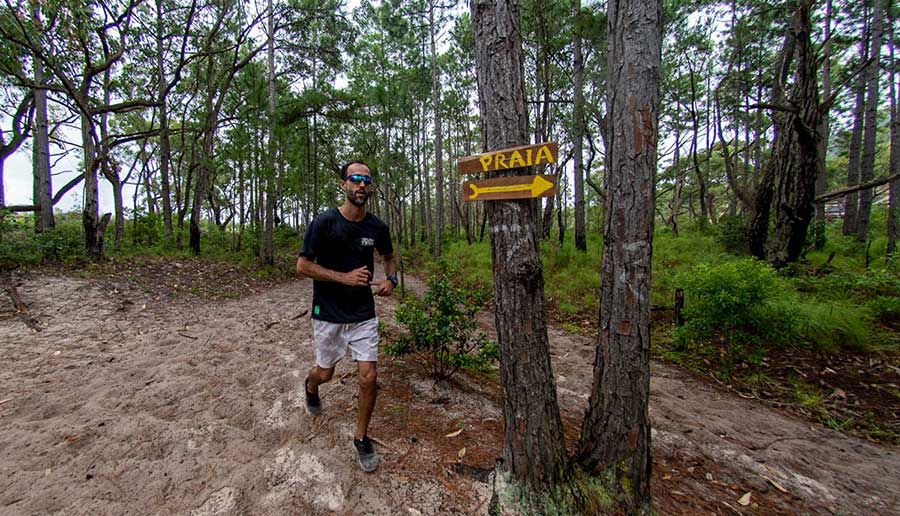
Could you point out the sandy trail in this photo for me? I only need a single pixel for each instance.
(124, 404)
(752, 444)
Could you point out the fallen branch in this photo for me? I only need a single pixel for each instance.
(849, 190)
(21, 308)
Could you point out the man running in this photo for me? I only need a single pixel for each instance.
(337, 254)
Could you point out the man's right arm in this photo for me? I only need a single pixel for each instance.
(311, 269)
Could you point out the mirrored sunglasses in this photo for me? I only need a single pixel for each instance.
(358, 178)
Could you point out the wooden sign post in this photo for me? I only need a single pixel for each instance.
(515, 157)
(504, 188)
(507, 188)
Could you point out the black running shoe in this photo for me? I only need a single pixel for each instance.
(313, 403)
(368, 459)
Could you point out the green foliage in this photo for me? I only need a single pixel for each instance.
(886, 309)
(672, 255)
(572, 277)
(442, 328)
(734, 298)
(746, 303)
(21, 245)
(832, 325)
(147, 229)
(731, 234)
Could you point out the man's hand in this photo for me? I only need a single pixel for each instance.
(356, 278)
(383, 287)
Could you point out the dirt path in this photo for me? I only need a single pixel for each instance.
(125, 404)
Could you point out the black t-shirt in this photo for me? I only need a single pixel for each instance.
(343, 245)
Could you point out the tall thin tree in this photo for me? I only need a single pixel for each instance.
(578, 130)
(867, 157)
(533, 446)
(615, 437)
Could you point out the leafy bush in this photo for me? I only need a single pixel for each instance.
(147, 229)
(19, 244)
(441, 326)
(732, 234)
(733, 298)
(746, 302)
(886, 309)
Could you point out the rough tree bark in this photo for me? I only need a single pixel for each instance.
(893, 224)
(267, 251)
(703, 193)
(438, 140)
(533, 446)
(578, 133)
(867, 158)
(824, 130)
(851, 202)
(615, 438)
(758, 229)
(795, 186)
(43, 184)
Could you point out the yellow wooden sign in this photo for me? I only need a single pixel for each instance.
(515, 157)
(507, 188)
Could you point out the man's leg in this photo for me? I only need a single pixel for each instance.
(318, 376)
(367, 388)
(330, 347)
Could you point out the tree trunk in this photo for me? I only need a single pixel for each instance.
(615, 437)
(534, 448)
(679, 183)
(90, 216)
(758, 230)
(701, 179)
(893, 224)
(165, 152)
(43, 184)
(824, 130)
(108, 167)
(438, 140)
(867, 159)
(578, 134)
(795, 185)
(267, 253)
(851, 202)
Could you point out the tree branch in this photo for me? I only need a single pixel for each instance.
(849, 190)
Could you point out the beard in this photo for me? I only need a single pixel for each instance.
(357, 200)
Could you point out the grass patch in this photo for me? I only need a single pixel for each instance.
(834, 325)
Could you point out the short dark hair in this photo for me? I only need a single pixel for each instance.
(347, 165)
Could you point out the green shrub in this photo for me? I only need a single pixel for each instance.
(733, 298)
(441, 326)
(21, 245)
(731, 234)
(879, 282)
(886, 309)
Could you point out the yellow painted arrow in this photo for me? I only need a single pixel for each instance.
(537, 187)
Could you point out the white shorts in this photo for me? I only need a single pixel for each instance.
(333, 339)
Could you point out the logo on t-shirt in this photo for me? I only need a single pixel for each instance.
(366, 242)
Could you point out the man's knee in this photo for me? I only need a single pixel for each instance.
(367, 378)
(324, 375)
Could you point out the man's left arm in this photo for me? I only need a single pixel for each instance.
(386, 287)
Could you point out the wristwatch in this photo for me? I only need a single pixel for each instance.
(393, 279)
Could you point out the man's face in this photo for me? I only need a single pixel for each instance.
(354, 185)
